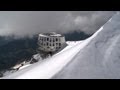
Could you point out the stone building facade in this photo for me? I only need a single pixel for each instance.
(51, 42)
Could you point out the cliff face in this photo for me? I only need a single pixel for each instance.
(100, 58)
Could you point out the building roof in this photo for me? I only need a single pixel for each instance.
(53, 34)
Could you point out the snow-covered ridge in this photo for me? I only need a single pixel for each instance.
(80, 63)
(53, 65)
(100, 59)
(42, 69)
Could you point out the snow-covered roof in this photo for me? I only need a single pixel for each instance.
(52, 34)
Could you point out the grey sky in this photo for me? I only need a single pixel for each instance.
(23, 23)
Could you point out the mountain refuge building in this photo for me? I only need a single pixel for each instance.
(51, 42)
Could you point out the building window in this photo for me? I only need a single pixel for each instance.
(59, 44)
(53, 44)
(47, 39)
(56, 39)
(56, 44)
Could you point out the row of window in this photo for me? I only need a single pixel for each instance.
(48, 39)
(47, 44)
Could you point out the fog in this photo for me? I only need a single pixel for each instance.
(22, 23)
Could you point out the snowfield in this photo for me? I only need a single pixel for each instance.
(97, 57)
(100, 59)
(48, 68)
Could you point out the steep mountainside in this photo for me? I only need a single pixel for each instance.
(16, 51)
(100, 58)
(76, 36)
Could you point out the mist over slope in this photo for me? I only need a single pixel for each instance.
(14, 51)
(83, 60)
(18, 50)
(76, 36)
(100, 58)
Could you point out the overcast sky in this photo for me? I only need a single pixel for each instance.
(23, 23)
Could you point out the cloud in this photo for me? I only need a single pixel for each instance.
(23, 23)
(87, 22)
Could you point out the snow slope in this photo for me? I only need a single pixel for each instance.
(100, 59)
(51, 66)
(95, 57)
(47, 68)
